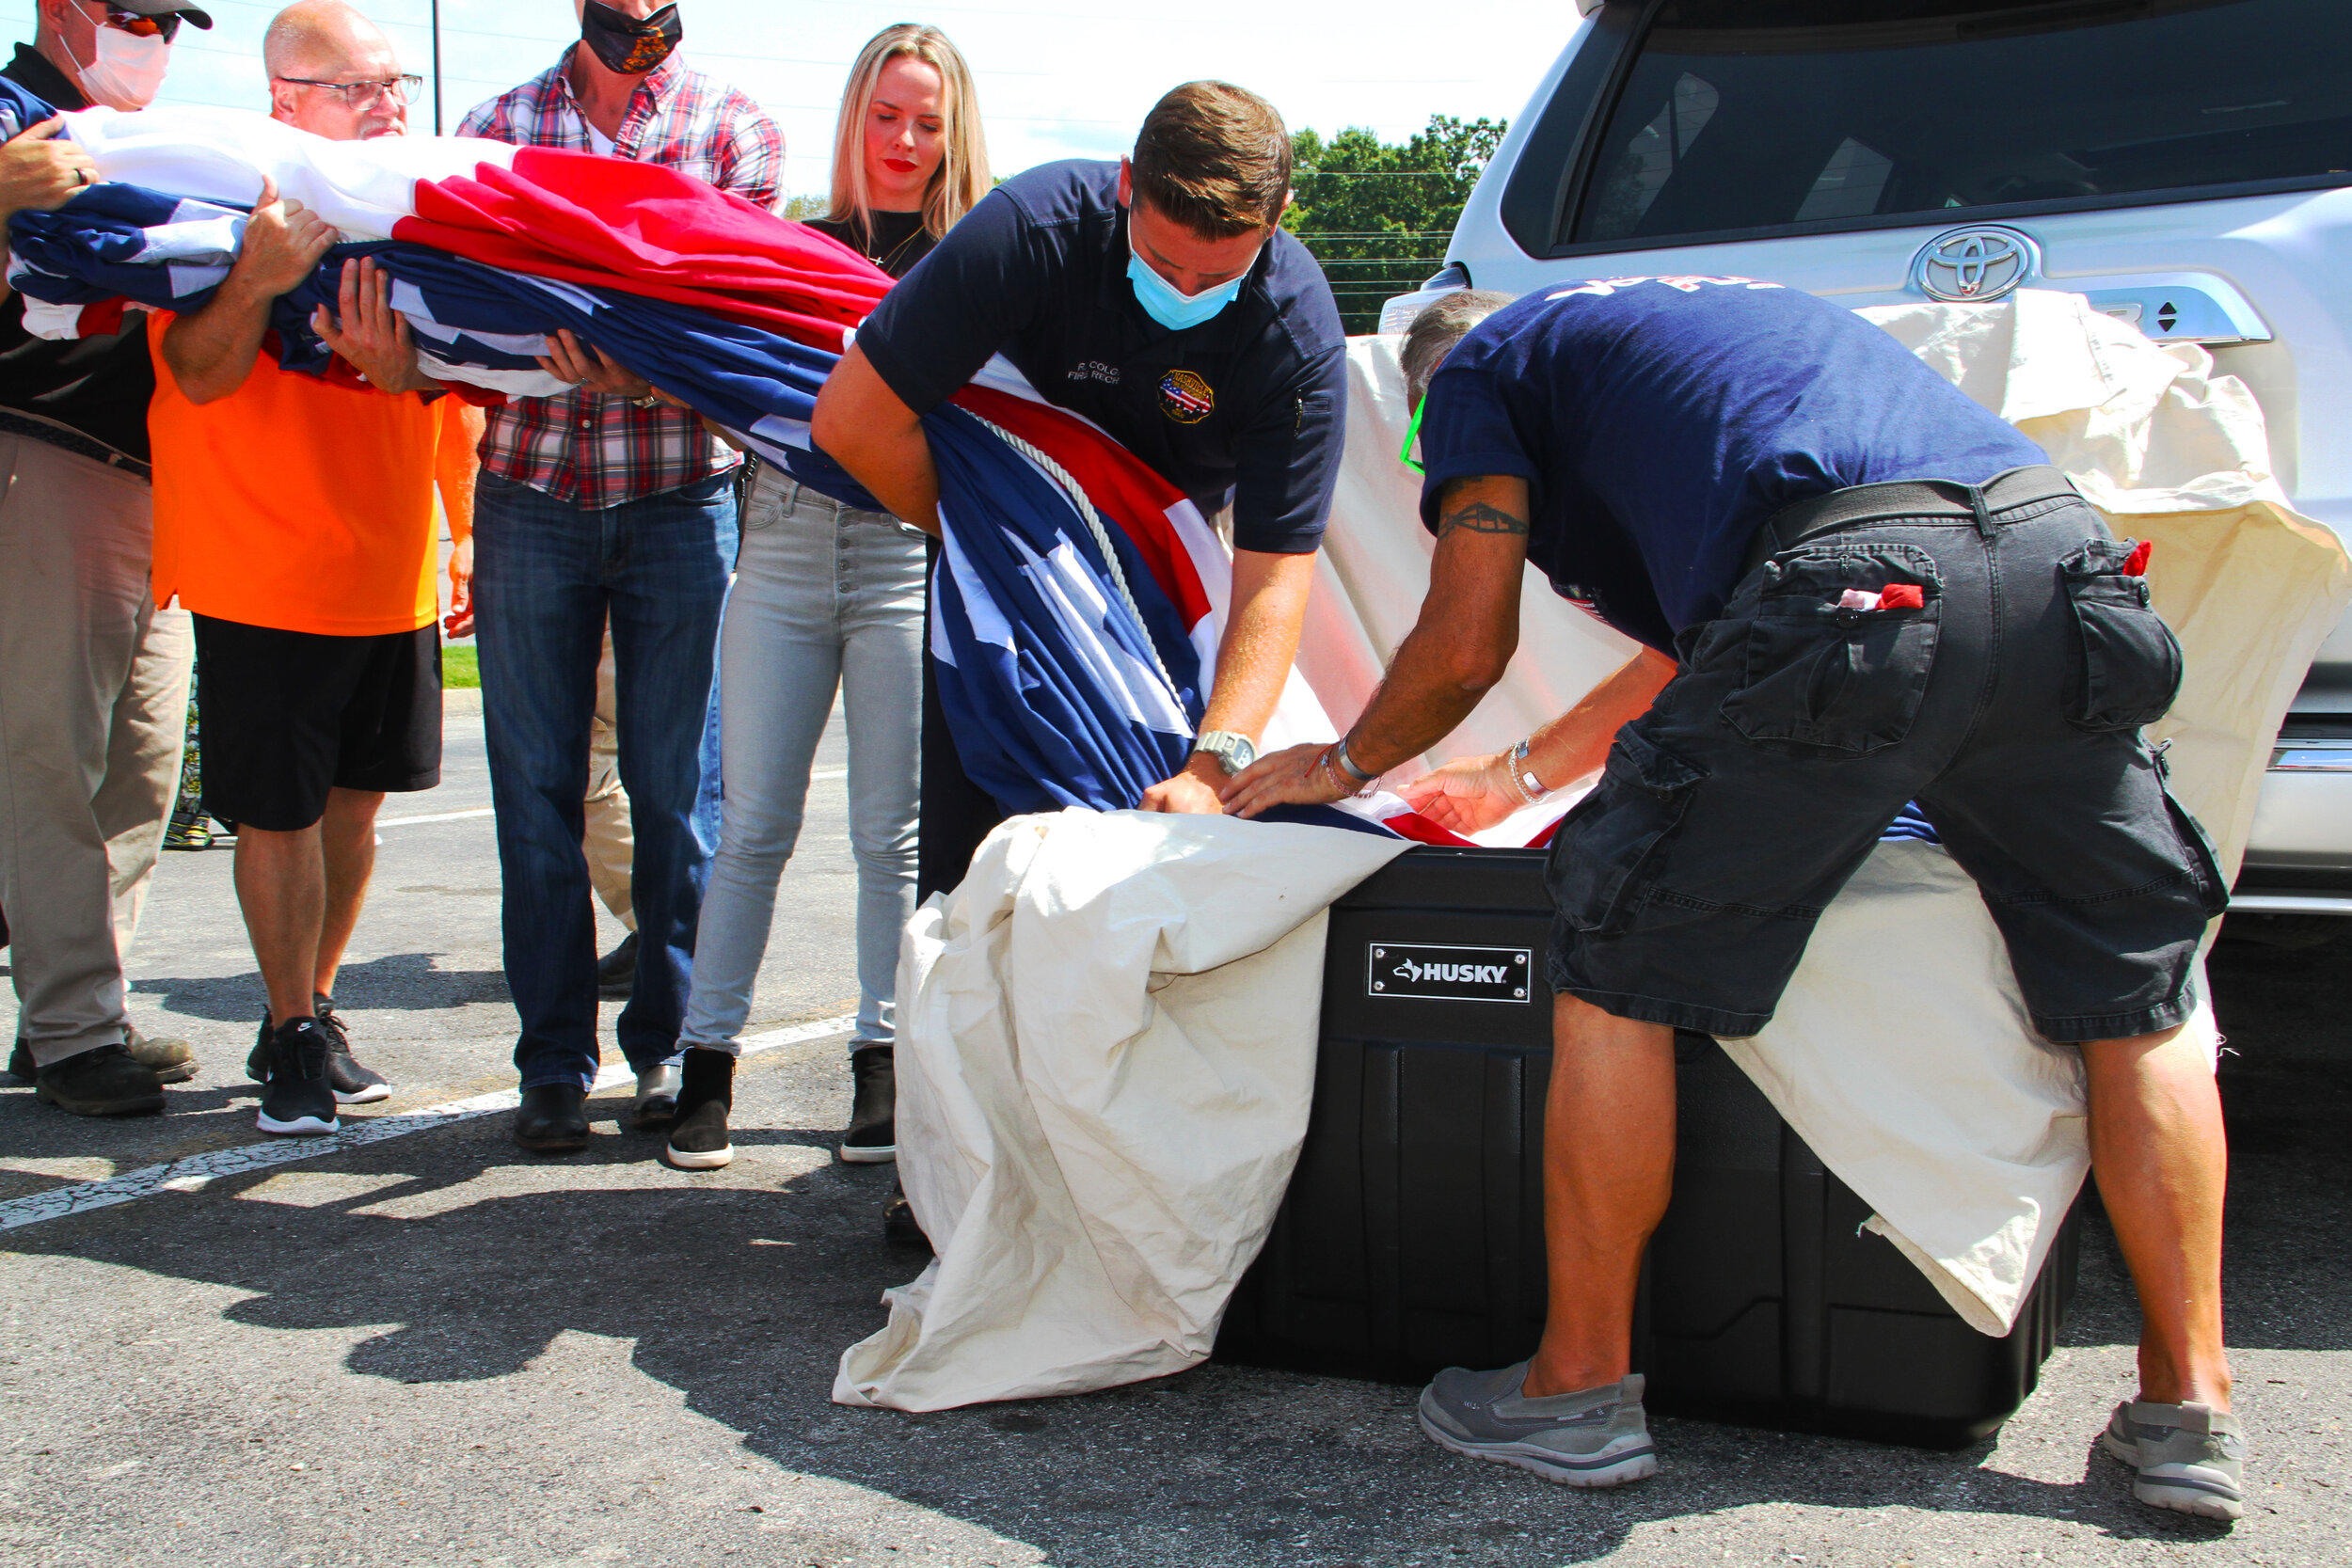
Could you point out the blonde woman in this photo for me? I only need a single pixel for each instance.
(830, 598)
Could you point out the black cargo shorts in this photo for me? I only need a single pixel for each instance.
(2007, 702)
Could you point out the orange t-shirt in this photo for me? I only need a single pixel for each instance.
(304, 505)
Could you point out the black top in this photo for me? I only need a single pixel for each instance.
(897, 241)
(99, 387)
(1251, 401)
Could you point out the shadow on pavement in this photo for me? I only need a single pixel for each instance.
(398, 982)
(744, 1298)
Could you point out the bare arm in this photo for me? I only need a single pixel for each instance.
(861, 424)
(1254, 660)
(209, 351)
(1468, 629)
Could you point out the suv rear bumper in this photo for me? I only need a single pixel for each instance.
(2299, 858)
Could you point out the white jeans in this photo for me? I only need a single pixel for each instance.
(825, 596)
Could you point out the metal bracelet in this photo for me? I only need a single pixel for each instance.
(1348, 764)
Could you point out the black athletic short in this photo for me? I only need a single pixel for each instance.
(287, 715)
(2008, 702)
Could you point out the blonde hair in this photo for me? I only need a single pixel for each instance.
(962, 177)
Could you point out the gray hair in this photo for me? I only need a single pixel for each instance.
(1436, 329)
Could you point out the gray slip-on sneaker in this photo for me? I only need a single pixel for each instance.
(1593, 1437)
(2189, 1458)
(657, 1096)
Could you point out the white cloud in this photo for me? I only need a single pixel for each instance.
(1057, 78)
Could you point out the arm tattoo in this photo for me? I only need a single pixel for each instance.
(1479, 518)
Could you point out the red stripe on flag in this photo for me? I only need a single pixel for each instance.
(1119, 485)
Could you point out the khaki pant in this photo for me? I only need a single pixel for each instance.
(93, 715)
(608, 841)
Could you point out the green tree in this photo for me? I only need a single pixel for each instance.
(1377, 215)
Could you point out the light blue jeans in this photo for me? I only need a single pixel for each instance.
(825, 596)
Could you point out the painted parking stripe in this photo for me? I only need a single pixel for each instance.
(199, 1171)
(486, 811)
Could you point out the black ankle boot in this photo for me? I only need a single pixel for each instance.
(698, 1139)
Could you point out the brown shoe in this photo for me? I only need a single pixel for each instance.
(172, 1061)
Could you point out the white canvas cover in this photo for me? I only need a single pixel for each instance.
(1106, 1033)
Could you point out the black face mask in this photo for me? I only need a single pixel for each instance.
(627, 46)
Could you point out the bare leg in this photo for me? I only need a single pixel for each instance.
(281, 887)
(1609, 1146)
(2163, 1162)
(347, 842)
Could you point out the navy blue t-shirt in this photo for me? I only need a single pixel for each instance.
(1658, 422)
(1252, 401)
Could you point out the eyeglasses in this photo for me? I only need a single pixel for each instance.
(1412, 435)
(165, 27)
(360, 94)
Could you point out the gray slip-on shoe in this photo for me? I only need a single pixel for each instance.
(657, 1096)
(1593, 1437)
(2189, 1458)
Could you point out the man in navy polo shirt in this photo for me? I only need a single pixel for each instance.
(1158, 297)
(1874, 591)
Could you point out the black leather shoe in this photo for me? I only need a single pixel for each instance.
(103, 1082)
(899, 1226)
(552, 1118)
(617, 971)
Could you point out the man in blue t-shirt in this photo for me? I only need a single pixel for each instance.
(1855, 587)
(1159, 297)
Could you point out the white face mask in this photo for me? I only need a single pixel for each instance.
(129, 70)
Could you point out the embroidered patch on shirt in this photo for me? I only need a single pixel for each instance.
(1185, 398)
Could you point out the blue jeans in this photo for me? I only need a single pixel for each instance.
(825, 598)
(546, 576)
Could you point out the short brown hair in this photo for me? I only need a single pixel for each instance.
(1216, 158)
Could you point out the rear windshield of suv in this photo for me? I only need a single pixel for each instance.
(1745, 115)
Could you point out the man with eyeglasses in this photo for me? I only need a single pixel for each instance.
(93, 676)
(605, 503)
(293, 515)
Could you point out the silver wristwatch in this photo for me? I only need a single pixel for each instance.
(1233, 752)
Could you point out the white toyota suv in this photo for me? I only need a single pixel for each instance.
(2186, 164)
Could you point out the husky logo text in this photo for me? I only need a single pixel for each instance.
(1449, 973)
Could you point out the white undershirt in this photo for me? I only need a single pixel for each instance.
(597, 140)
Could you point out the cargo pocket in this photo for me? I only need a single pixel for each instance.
(2197, 849)
(1835, 676)
(2126, 664)
(1614, 832)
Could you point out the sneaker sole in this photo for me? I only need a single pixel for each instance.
(367, 1096)
(697, 1160)
(2180, 1490)
(301, 1127)
(1597, 1474)
(870, 1154)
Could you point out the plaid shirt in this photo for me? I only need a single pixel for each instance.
(593, 450)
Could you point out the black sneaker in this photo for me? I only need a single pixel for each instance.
(103, 1082)
(899, 1226)
(617, 971)
(698, 1140)
(873, 1135)
(354, 1084)
(257, 1060)
(300, 1099)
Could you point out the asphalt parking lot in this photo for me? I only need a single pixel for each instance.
(437, 1349)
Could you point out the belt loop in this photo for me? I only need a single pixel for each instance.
(1984, 516)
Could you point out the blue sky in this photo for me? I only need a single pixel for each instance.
(1057, 78)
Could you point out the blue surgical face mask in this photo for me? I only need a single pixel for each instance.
(1173, 311)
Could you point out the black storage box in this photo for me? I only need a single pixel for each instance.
(1412, 1238)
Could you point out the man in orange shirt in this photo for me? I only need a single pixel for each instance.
(293, 515)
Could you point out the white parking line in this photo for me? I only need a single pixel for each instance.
(199, 1171)
(486, 811)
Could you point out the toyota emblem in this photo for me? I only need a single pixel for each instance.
(1972, 265)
